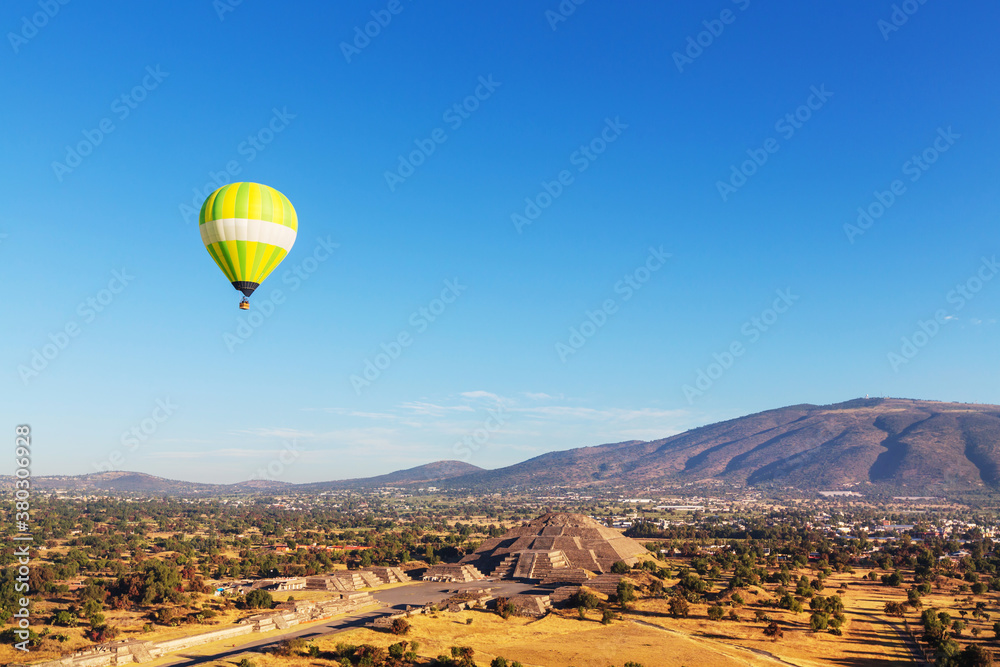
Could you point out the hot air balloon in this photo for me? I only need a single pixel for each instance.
(248, 228)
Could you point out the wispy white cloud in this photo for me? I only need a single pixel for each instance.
(422, 408)
(358, 413)
(541, 396)
(215, 453)
(481, 394)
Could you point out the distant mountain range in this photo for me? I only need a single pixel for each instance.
(132, 483)
(888, 442)
(883, 442)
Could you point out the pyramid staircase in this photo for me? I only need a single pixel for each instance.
(390, 575)
(569, 575)
(505, 570)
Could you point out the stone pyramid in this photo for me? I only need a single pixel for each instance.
(554, 542)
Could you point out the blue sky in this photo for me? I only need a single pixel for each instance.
(623, 125)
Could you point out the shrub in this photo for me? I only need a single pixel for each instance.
(585, 600)
(400, 626)
(462, 656)
(678, 607)
(507, 609)
(607, 617)
(818, 621)
(620, 567)
(259, 599)
(715, 613)
(625, 592)
(64, 619)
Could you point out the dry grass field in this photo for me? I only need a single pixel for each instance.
(554, 641)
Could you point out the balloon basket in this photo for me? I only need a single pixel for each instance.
(244, 305)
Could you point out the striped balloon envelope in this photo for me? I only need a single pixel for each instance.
(248, 228)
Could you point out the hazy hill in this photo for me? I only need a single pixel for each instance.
(137, 483)
(430, 472)
(890, 441)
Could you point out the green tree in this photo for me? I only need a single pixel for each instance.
(678, 607)
(818, 621)
(625, 593)
(259, 599)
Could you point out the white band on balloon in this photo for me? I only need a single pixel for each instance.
(242, 229)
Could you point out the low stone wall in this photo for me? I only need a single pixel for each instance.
(135, 650)
(156, 649)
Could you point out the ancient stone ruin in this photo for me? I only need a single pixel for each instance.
(556, 548)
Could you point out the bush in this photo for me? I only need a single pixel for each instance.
(678, 607)
(9, 636)
(400, 626)
(818, 621)
(462, 656)
(625, 593)
(715, 613)
(290, 647)
(507, 609)
(585, 600)
(894, 579)
(620, 567)
(259, 599)
(246, 662)
(63, 619)
(607, 617)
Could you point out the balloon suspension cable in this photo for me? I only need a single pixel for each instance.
(245, 304)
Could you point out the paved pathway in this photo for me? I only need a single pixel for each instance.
(416, 594)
